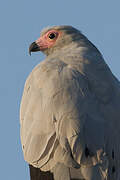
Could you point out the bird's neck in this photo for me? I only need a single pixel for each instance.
(76, 53)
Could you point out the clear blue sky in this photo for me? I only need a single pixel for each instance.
(20, 24)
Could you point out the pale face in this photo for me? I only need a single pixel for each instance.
(48, 40)
(56, 38)
(45, 41)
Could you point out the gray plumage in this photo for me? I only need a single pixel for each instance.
(70, 112)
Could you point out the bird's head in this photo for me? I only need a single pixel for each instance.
(54, 38)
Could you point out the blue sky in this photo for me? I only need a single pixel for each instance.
(20, 24)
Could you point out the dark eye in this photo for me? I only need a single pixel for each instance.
(52, 35)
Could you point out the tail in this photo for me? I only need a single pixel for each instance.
(37, 174)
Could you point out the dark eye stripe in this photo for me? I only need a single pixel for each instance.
(52, 35)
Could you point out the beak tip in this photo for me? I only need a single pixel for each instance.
(29, 52)
(33, 47)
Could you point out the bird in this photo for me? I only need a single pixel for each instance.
(70, 110)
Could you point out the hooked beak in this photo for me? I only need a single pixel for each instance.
(33, 48)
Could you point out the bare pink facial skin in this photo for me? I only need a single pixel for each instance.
(45, 42)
